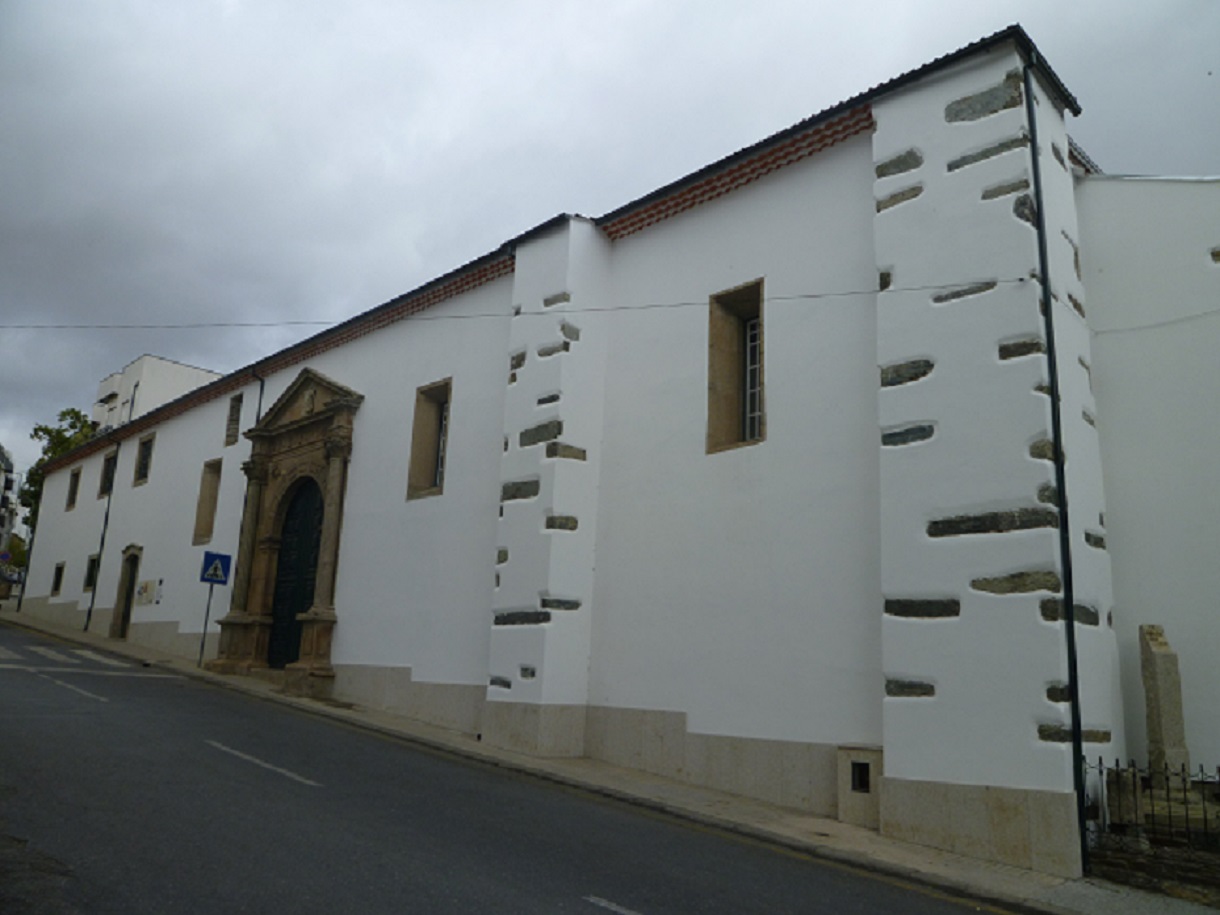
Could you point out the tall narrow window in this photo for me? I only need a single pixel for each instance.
(429, 440)
(57, 580)
(205, 507)
(144, 452)
(233, 425)
(109, 464)
(91, 572)
(735, 407)
(73, 489)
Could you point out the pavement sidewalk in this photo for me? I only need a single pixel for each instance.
(994, 886)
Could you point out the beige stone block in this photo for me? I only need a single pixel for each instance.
(1008, 824)
(539, 730)
(663, 739)
(761, 773)
(1053, 836)
(969, 825)
(858, 807)
(361, 684)
(914, 811)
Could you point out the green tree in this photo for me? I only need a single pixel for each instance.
(73, 430)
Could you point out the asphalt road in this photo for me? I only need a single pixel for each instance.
(126, 789)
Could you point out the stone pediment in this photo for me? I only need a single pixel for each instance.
(310, 397)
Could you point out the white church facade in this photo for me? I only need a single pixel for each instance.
(786, 479)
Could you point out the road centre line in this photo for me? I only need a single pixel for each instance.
(613, 907)
(75, 689)
(266, 765)
(83, 671)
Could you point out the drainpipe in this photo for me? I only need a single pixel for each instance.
(1065, 532)
(101, 546)
(258, 411)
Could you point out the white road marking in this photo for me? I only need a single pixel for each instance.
(53, 655)
(85, 672)
(99, 657)
(75, 689)
(6, 655)
(266, 765)
(607, 904)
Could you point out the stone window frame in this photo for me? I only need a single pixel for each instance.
(732, 378)
(57, 578)
(144, 456)
(73, 489)
(233, 422)
(429, 439)
(206, 502)
(110, 470)
(92, 567)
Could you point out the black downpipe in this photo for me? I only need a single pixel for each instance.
(1065, 532)
(101, 546)
(258, 411)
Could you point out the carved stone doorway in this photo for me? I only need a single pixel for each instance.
(129, 578)
(297, 476)
(296, 572)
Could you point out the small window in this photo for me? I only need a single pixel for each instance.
(144, 452)
(429, 439)
(57, 580)
(91, 572)
(205, 507)
(860, 777)
(109, 464)
(73, 489)
(735, 413)
(233, 425)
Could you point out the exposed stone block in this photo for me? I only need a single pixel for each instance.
(1043, 388)
(560, 450)
(528, 672)
(898, 197)
(962, 292)
(1088, 418)
(885, 279)
(1061, 733)
(501, 556)
(1019, 582)
(908, 435)
(522, 617)
(517, 361)
(519, 489)
(1023, 208)
(543, 432)
(988, 152)
(1015, 349)
(549, 398)
(905, 372)
(512, 377)
(502, 682)
(1006, 188)
(550, 349)
(1043, 449)
(1048, 493)
(903, 162)
(909, 689)
(1058, 692)
(1076, 304)
(1216, 255)
(1094, 539)
(556, 299)
(570, 331)
(934, 608)
(1058, 154)
(1075, 253)
(1020, 519)
(1052, 610)
(993, 100)
(561, 523)
(556, 603)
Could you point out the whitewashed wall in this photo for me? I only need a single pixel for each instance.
(741, 587)
(1151, 258)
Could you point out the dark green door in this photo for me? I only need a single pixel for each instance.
(295, 573)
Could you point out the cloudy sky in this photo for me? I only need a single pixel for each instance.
(294, 160)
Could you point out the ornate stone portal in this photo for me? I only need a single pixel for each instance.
(305, 435)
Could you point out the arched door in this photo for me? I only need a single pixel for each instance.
(296, 572)
(127, 595)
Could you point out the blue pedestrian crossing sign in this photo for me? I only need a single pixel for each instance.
(215, 568)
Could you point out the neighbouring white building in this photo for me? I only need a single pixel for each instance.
(143, 385)
(781, 479)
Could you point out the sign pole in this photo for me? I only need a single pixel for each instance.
(204, 635)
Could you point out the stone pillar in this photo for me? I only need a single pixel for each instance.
(1163, 706)
(238, 642)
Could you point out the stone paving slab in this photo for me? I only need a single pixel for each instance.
(997, 887)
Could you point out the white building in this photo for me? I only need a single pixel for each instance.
(8, 498)
(636, 490)
(143, 385)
